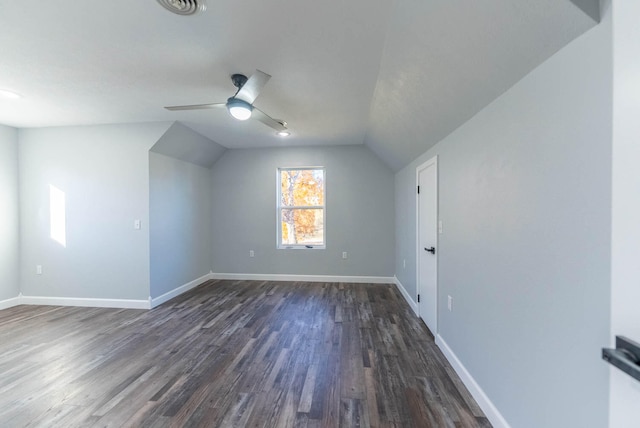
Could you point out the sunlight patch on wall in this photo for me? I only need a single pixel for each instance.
(57, 216)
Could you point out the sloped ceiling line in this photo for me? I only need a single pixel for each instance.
(182, 143)
(590, 7)
(444, 61)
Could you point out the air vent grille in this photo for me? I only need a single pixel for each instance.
(183, 7)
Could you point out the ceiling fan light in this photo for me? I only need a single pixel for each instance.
(239, 109)
(240, 112)
(284, 133)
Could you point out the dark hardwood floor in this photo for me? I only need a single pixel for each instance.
(232, 354)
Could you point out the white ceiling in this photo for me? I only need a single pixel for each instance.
(397, 75)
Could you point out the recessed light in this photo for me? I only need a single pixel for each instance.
(283, 133)
(5, 93)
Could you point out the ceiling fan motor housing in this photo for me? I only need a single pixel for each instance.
(238, 80)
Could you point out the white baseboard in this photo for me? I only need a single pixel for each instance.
(85, 302)
(302, 278)
(156, 301)
(405, 294)
(152, 303)
(489, 409)
(9, 303)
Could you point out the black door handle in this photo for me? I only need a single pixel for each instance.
(432, 250)
(625, 356)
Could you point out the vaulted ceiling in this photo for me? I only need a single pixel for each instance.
(396, 75)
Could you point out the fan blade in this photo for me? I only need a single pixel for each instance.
(278, 125)
(252, 87)
(196, 106)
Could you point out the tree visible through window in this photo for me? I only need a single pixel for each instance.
(301, 207)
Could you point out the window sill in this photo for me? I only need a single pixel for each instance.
(302, 247)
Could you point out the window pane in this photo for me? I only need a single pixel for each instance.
(302, 226)
(302, 187)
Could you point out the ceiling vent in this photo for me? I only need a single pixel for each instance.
(183, 7)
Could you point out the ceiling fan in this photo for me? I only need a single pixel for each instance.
(240, 105)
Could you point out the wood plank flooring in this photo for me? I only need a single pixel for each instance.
(232, 354)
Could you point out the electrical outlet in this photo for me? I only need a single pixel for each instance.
(450, 303)
(251, 253)
(38, 269)
(344, 254)
(137, 224)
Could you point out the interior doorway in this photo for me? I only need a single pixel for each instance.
(427, 240)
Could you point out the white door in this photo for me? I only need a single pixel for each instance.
(427, 229)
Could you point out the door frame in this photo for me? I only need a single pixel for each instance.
(431, 162)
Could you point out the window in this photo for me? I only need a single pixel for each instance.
(301, 210)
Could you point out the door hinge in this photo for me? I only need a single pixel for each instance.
(418, 189)
(418, 298)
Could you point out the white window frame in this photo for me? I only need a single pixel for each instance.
(280, 207)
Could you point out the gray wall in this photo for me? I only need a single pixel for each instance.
(9, 221)
(359, 203)
(180, 222)
(104, 173)
(525, 191)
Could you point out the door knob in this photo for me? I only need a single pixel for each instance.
(432, 250)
